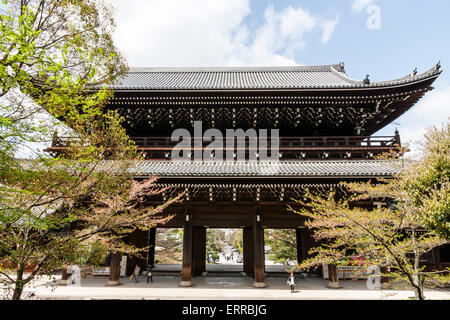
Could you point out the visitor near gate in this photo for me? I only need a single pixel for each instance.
(291, 282)
(135, 274)
(149, 274)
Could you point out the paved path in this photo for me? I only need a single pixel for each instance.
(166, 287)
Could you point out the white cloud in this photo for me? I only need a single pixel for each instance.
(433, 110)
(328, 27)
(213, 33)
(359, 5)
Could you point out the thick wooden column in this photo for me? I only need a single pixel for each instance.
(248, 250)
(384, 280)
(151, 249)
(114, 269)
(436, 257)
(198, 250)
(258, 242)
(333, 277)
(64, 277)
(298, 233)
(186, 271)
(307, 242)
(139, 239)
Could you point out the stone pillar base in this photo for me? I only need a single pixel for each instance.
(63, 282)
(185, 284)
(204, 273)
(333, 285)
(113, 283)
(259, 284)
(244, 274)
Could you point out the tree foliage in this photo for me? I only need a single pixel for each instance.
(427, 182)
(237, 240)
(56, 59)
(213, 245)
(169, 246)
(283, 245)
(405, 223)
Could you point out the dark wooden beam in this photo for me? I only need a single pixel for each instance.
(258, 240)
(198, 250)
(64, 277)
(186, 271)
(140, 239)
(248, 250)
(298, 233)
(114, 270)
(151, 249)
(306, 242)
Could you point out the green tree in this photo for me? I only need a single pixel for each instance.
(283, 245)
(213, 247)
(237, 240)
(427, 182)
(50, 52)
(391, 234)
(170, 246)
(56, 60)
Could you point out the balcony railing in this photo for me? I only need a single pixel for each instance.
(289, 147)
(285, 143)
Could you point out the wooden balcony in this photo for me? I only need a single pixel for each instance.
(286, 143)
(338, 147)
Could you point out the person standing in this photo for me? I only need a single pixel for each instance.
(291, 282)
(136, 271)
(149, 274)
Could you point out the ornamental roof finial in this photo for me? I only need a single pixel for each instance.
(366, 80)
(342, 65)
(414, 72)
(438, 66)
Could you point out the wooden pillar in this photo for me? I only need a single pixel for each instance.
(64, 277)
(437, 257)
(139, 239)
(248, 250)
(114, 269)
(198, 250)
(333, 277)
(384, 280)
(258, 242)
(151, 249)
(307, 242)
(298, 233)
(186, 271)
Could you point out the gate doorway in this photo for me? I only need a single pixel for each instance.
(224, 251)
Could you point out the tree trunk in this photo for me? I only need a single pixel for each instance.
(419, 293)
(17, 292)
(333, 276)
(18, 287)
(418, 284)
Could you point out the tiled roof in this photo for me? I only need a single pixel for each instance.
(343, 168)
(247, 185)
(250, 78)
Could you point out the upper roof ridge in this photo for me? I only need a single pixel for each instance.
(331, 76)
(319, 68)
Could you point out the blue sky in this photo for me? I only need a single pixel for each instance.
(411, 33)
